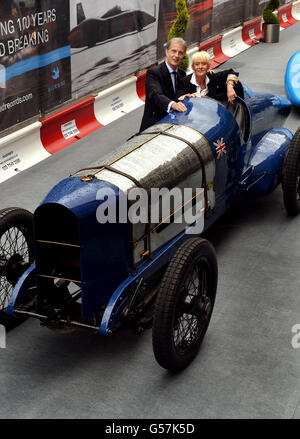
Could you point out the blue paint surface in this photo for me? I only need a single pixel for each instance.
(292, 79)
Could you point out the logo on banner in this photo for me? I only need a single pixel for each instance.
(55, 73)
(56, 76)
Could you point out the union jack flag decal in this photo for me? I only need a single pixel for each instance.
(220, 147)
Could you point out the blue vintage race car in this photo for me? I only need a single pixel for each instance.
(79, 261)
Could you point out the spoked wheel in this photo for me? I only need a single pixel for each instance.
(184, 304)
(16, 254)
(291, 176)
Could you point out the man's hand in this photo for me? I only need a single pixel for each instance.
(178, 106)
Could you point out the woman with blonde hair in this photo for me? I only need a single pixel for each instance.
(204, 82)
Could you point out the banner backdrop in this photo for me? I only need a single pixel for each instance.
(55, 64)
(110, 40)
(34, 56)
(54, 50)
(18, 81)
(227, 12)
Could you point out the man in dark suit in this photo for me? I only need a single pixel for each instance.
(162, 83)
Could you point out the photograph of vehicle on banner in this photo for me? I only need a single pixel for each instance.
(110, 41)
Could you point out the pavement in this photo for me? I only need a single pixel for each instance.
(247, 366)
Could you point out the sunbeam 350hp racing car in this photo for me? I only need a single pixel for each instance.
(68, 268)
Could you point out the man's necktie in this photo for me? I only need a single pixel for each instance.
(175, 83)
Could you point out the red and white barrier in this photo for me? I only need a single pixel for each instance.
(214, 48)
(36, 142)
(21, 150)
(251, 32)
(232, 42)
(69, 125)
(285, 16)
(296, 10)
(116, 101)
(140, 86)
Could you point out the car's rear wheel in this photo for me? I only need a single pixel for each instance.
(291, 176)
(184, 304)
(16, 254)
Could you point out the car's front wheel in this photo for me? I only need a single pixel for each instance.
(16, 254)
(184, 304)
(291, 176)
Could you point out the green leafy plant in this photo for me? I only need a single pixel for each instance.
(180, 26)
(268, 16)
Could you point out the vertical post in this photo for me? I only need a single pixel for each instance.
(2, 337)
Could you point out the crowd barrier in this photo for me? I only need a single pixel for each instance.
(30, 145)
(285, 16)
(69, 125)
(214, 48)
(232, 42)
(251, 31)
(140, 86)
(296, 10)
(21, 150)
(114, 102)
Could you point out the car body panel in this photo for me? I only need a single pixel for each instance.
(292, 79)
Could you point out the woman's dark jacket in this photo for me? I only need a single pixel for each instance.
(217, 88)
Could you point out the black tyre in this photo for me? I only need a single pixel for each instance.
(291, 176)
(16, 254)
(184, 304)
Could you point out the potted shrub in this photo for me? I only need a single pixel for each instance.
(180, 26)
(270, 26)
